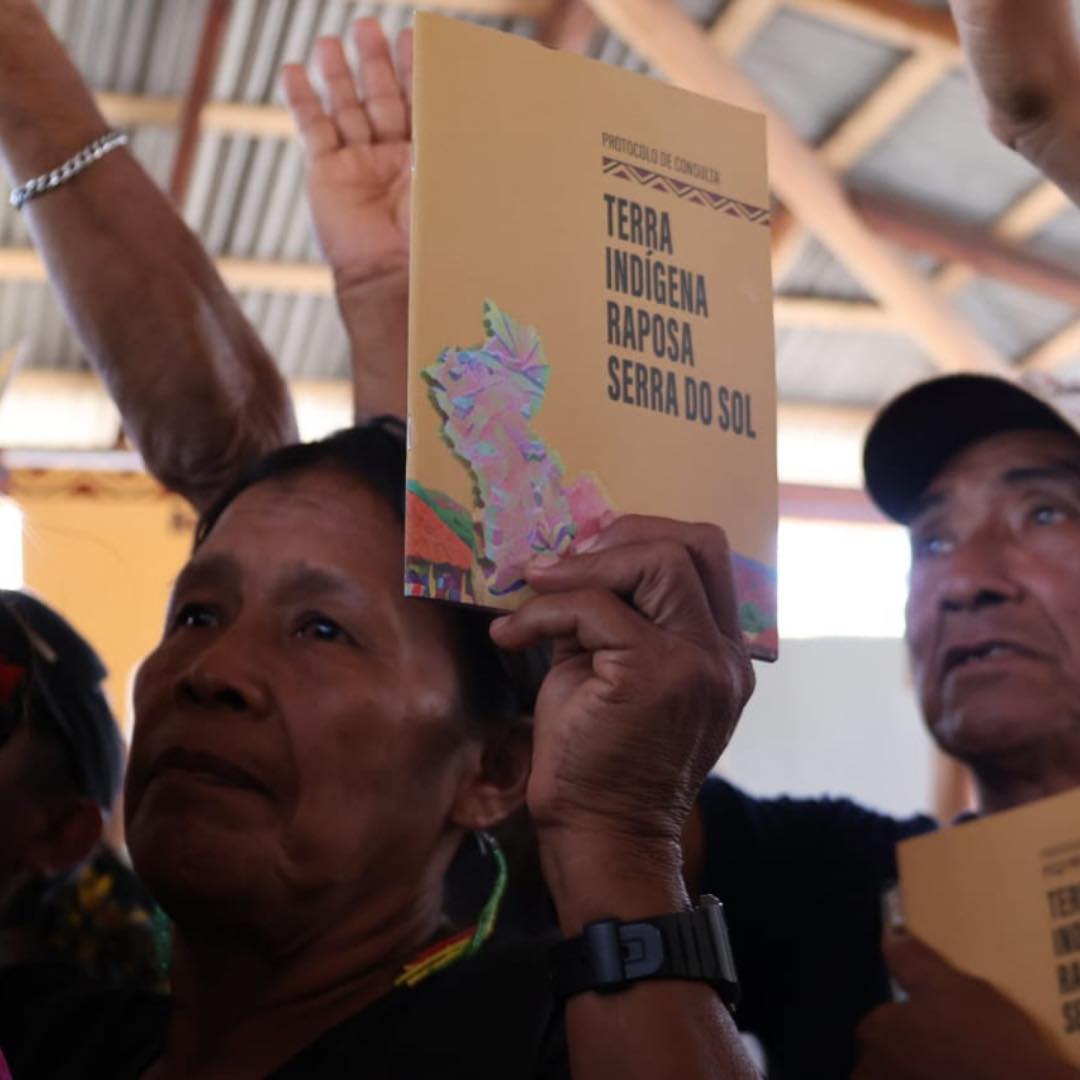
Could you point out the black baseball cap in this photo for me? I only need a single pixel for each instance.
(62, 691)
(919, 431)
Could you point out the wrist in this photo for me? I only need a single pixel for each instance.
(593, 877)
(371, 290)
(375, 311)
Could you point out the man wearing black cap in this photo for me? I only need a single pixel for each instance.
(61, 763)
(985, 474)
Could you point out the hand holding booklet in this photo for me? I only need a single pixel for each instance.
(590, 318)
(1000, 898)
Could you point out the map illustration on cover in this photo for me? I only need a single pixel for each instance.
(590, 318)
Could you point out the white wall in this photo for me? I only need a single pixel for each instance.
(835, 716)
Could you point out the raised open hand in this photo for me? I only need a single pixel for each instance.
(356, 139)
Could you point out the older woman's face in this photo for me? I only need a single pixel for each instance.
(298, 730)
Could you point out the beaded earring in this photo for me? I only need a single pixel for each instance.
(466, 942)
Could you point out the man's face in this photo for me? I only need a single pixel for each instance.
(299, 742)
(993, 612)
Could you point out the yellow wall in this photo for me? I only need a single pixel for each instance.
(103, 549)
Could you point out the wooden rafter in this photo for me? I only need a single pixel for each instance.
(823, 313)
(787, 240)
(215, 23)
(1056, 350)
(135, 110)
(24, 264)
(900, 23)
(1034, 210)
(870, 121)
(821, 502)
(973, 247)
(87, 418)
(664, 34)
(909, 82)
(740, 22)
(47, 409)
(501, 9)
(1031, 212)
(908, 225)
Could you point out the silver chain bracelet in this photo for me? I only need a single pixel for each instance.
(72, 167)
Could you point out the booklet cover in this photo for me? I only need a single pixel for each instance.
(1000, 897)
(590, 317)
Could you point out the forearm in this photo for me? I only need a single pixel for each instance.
(1025, 59)
(198, 393)
(652, 1029)
(376, 317)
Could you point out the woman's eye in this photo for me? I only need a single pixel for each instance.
(194, 616)
(320, 628)
(1047, 515)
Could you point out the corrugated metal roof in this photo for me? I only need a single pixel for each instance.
(31, 315)
(245, 199)
(846, 367)
(1015, 320)
(814, 72)
(303, 333)
(941, 156)
(131, 46)
(1060, 240)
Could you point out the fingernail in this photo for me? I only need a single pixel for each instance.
(587, 544)
(502, 620)
(542, 562)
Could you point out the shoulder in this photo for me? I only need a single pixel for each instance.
(824, 830)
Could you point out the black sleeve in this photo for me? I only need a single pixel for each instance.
(801, 881)
(57, 1023)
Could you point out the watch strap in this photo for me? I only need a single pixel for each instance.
(610, 955)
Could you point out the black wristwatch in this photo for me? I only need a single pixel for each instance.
(610, 955)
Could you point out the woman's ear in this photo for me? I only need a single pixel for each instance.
(496, 786)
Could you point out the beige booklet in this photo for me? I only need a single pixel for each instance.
(1000, 897)
(591, 317)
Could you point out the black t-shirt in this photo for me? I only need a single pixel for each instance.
(488, 1018)
(801, 882)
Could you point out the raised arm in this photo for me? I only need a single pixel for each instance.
(1025, 58)
(199, 395)
(356, 139)
(648, 678)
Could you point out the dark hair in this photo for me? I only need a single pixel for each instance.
(53, 684)
(496, 685)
